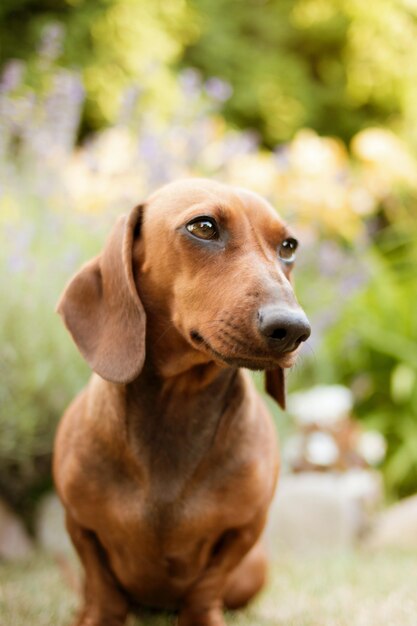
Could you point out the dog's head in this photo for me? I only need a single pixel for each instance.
(208, 262)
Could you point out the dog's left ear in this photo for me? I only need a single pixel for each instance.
(102, 310)
(275, 385)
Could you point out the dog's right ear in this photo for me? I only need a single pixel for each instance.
(275, 385)
(102, 310)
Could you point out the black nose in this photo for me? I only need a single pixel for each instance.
(288, 328)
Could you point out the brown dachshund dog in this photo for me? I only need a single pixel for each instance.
(167, 462)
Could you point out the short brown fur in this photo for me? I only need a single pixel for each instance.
(167, 462)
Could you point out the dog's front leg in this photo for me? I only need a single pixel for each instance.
(104, 602)
(203, 604)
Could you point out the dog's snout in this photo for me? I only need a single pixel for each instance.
(287, 328)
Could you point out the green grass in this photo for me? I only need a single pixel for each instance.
(355, 589)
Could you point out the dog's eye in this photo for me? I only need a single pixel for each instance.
(287, 250)
(203, 228)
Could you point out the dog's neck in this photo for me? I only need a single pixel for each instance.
(179, 406)
(176, 375)
(176, 361)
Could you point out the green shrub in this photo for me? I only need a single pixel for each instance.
(371, 345)
(39, 368)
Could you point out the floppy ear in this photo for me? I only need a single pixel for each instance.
(275, 385)
(102, 310)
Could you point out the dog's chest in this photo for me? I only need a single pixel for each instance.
(165, 502)
(195, 458)
(172, 529)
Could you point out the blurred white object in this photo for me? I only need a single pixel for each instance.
(294, 449)
(372, 447)
(396, 527)
(321, 449)
(316, 512)
(323, 405)
(50, 530)
(15, 543)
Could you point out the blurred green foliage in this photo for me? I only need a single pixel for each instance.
(332, 65)
(380, 326)
(39, 369)
(336, 66)
(370, 346)
(111, 41)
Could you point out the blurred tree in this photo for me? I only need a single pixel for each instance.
(113, 41)
(336, 66)
(333, 65)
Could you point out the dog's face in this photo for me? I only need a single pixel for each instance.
(209, 262)
(217, 262)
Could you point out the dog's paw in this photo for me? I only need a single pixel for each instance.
(94, 619)
(103, 621)
(212, 617)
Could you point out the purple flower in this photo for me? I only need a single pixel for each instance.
(218, 89)
(282, 158)
(12, 75)
(331, 258)
(190, 82)
(17, 263)
(51, 41)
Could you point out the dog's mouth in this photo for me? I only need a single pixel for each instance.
(256, 360)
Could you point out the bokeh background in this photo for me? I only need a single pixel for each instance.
(312, 103)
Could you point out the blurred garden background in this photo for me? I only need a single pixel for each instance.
(312, 103)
